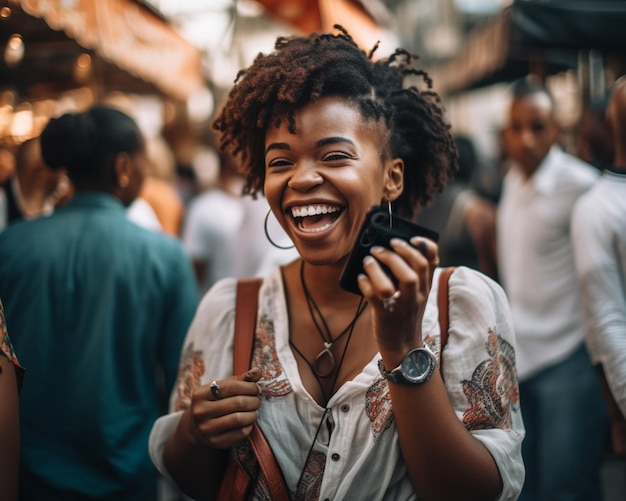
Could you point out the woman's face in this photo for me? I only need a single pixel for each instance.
(321, 181)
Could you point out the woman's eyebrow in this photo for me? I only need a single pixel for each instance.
(276, 146)
(333, 140)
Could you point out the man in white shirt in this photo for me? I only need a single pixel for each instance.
(599, 239)
(560, 396)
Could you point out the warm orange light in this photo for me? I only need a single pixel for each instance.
(14, 50)
(83, 61)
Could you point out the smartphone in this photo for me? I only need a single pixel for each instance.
(377, 230)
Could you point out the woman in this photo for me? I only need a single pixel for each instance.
(98, 309)
(326, 133)
(10, 378)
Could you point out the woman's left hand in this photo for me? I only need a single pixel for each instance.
(397, 322)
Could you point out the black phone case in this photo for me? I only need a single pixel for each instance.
(377, 231)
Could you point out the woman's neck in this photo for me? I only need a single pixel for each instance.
(322, 281)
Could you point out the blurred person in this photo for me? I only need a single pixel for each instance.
(560, 396)
(34, 189)
(599, 240)
(213, 222)
(7, 168)
(224, 231)
(464, 219)
(142, 213)
(11, 374)
(595, 144)
(99, 308)
(159, 189)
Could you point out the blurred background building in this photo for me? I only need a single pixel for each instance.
(170, 62)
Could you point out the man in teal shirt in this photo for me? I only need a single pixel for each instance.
(98, 309)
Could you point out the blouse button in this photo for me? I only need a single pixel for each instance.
(345, 408)
(335, 457)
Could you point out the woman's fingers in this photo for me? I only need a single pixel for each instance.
(411, 265)
(223, 412)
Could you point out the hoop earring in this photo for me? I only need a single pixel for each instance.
(267, 234)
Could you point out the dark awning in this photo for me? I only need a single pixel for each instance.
(533, 34)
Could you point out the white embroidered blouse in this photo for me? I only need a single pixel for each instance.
(357, 449)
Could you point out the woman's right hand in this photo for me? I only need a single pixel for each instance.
(222, 422)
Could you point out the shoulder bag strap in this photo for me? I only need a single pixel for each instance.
(442, 306)
(245, 323)
(245, 328)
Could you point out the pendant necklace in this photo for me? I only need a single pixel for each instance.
(325, 353)
(324, 363)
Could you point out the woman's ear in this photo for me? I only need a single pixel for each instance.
(394, 179)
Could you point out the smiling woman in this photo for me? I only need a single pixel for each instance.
(326, 133)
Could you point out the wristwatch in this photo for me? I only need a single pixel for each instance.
(416, 368)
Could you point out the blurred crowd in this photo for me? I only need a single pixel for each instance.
(151, 234)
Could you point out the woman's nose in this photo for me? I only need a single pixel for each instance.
(305, 176)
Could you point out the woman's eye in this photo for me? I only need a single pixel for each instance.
(278, 162)
(336, 155)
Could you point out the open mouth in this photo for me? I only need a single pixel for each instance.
(315, 218)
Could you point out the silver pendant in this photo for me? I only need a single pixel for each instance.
(324, 358)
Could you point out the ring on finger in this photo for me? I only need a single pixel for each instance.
(215, 389)
(390, 302)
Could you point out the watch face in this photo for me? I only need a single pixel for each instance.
(417, 365)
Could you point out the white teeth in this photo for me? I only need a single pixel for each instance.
(312, 210)
(314, 230)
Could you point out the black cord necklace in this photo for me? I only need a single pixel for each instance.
(324, 363)
(318, 377)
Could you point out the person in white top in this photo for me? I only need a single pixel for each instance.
(223, 231)
(351, 390)
(599, 239)
(560, 396)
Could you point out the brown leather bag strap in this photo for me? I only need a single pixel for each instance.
(245, 328)
(245, 322)
(443, 306)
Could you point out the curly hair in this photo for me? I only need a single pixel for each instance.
(302, 69)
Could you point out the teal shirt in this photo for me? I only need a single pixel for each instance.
(98, 308)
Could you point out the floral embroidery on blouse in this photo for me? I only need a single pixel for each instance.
(189, 373)
(378, 406)
(274, 382)
(310, 484)
(493, 389)
(258, 488)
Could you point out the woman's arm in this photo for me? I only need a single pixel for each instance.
(443, 459)
(9, 428)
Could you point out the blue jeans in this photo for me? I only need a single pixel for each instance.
(567, 432)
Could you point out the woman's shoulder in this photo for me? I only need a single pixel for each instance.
(475, 297)
(219, 298)
(468, 281)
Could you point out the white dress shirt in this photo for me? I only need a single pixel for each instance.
(535, 258)
(599, 239)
